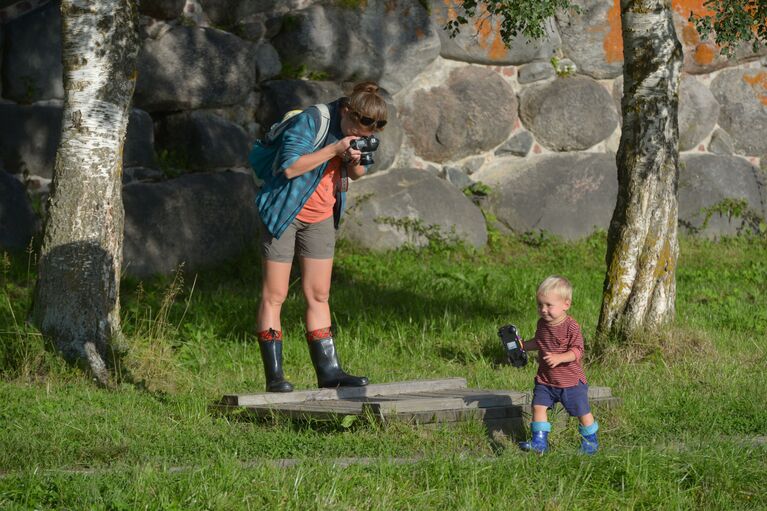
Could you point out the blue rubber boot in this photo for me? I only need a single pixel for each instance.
(589, 443)
(540, 439)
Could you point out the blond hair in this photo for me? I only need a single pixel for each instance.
(556, 284)
(366, 101)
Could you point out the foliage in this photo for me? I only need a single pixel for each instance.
(516, 18)
(752, 222)
(734, 21)
(563, 69)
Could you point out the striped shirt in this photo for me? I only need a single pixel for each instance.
(560, 338)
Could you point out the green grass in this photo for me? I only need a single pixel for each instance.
(689, 434)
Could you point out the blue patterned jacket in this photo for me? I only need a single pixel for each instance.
(281, 199)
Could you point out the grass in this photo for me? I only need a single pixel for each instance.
(689, 435)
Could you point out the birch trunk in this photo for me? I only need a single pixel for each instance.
(76, 302)
(642, 247)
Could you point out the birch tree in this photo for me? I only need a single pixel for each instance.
(76, 303)
(642, 247)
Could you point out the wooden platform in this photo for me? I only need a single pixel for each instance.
(418, 402)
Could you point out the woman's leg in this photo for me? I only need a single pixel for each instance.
(274, 290)
(315, 282)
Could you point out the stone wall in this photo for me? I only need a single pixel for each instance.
(541, 133)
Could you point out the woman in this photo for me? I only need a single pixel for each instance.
(300, 204)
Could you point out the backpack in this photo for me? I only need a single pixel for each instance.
(262, 157)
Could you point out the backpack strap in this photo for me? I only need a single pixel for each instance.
(322, 132)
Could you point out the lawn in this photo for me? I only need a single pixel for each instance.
(690, 433)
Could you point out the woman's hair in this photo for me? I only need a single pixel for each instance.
(556, 284)
(366, 101)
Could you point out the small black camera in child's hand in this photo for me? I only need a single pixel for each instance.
(366, 145)
(513, 345)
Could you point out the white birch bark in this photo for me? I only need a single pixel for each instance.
(640, 287)
(76, 302)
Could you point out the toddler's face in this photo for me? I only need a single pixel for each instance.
(552, 308)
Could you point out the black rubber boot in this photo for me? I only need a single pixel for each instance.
(328, 368)
(271, 354)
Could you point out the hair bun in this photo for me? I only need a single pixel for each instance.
(370, 87)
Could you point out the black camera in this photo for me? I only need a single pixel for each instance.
(366, 145)
(513, 345)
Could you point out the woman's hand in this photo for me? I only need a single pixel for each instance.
(348, 154)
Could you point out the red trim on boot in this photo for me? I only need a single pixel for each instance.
(270, 335)
(319, 334)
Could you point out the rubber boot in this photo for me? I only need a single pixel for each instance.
(540, 438)
(322, 349)
(589, 443)
(270, 343)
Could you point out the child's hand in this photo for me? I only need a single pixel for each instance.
(554, 359)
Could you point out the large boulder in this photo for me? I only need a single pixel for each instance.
(161, 9)
(389, 41)
(705, 180)
(568, 114)
(32, 69)
(280, 96)
(31, 146)
(139, 140)
(203, 141)
(408, 206)
(190, 67)
(17, 221)
(592, 38)
(474, 111)
(199, 220)
(480, 42)
(742, 94)
(569, 195)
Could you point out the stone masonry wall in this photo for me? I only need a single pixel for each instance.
(214, 73)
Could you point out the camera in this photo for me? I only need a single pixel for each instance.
(513, 345)
(366, 145)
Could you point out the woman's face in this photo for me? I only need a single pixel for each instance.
(351, 125)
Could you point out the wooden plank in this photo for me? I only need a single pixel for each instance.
(414, 405)
(379, 389)
(511, 396)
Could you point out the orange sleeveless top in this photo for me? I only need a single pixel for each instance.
(319, 207)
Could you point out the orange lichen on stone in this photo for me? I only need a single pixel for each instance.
(758, 81)
(705, 53)
(489, 35)
(613, 41)
(696, 7)
(509, 71)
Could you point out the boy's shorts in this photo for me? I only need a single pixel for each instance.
(574, 399)
(315, 241)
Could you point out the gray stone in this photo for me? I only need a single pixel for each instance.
(698, 112)
(281, 96)
(569, 113)
(391, 141)
(721, 143)
(32, 68)
(743, 99)
(252, 28)
(474, 111)
(705, 180)
(569, 195)
(419, 202)
(457, 177)
(518, 145)
(190, 67)
(268, 63)
(203, 140)
(139, 140)
(536, 71)
(133, 174)
(31, 147)
(389, 42)
(592, 38)
(199, 220)
(228, 13)
(473, 165)
(17, 221)
(480, 40)
(161, 9)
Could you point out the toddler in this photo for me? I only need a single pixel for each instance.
(560, 375)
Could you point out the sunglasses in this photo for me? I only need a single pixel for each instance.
(367, 121)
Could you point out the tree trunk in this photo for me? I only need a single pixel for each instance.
(642, 247)
(76, 303)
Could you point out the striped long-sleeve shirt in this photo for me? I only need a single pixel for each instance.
(561, 338)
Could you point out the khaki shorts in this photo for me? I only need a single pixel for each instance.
(315, 241)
